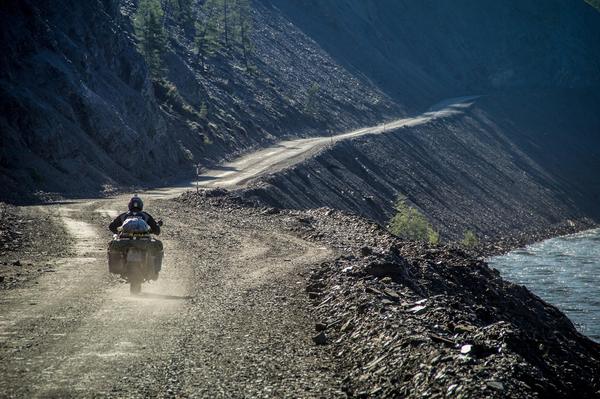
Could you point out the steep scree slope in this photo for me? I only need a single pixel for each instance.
(78, 111)
(511, 163)
(421, 51)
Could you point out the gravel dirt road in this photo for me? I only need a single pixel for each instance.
(287, 153)
(228, 317)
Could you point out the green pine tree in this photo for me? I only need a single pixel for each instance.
(151, 35)
(226, 22)
(203, 111)
(180, 12)
(244, 28)
(409, 224)
(208, 31)
(470, 240)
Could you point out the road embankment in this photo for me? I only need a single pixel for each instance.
(508, 165)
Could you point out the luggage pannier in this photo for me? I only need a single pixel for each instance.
(155, 259)
(117, 252)
(116, 261)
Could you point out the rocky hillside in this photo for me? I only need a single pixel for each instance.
(421, 51)
(522, 159)
(79, 112)
(407, 320)
(513, 163)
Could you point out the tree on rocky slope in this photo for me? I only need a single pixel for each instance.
(206, 39)
(409, 224)
(225, 24)
(180, 12)
(151, 35)
(244, 28)
(470, 240)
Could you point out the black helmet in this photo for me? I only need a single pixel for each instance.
(136, 204)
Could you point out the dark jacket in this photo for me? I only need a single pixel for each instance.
(118, 222)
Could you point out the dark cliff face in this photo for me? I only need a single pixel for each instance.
(77, 108)
(422, 51)
(517, 162)
(79, 113)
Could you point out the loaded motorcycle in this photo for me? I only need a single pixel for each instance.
(134, 254)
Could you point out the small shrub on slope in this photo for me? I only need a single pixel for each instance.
(470, 239)
(409, 224)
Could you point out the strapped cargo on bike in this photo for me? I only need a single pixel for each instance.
(118, 248)
(133, 253)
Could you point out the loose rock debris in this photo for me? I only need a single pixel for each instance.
(410, 320)
(421, 321)
(28, 240)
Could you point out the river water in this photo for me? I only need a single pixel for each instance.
(565, 272)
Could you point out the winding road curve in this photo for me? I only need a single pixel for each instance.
(286, 153)
(227, 317)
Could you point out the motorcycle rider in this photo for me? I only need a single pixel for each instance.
(132, 229)
(136, 206)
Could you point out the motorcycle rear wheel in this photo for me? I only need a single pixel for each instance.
(135, 287)
(135, 281)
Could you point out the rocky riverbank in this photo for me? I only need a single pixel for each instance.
(519, 239)
(413, 321)
(405, 319)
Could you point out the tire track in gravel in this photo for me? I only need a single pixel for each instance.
(227, 318)
(36, 319)
(247, 331)
(78, 332)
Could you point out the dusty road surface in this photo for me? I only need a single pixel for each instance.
(228, 316)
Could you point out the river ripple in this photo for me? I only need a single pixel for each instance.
(565, 272)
